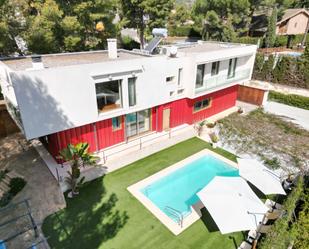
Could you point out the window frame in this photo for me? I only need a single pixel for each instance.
(215, 68)
(203, 75)
(170, 79)
(232, 71)
(119, 127)
(209, 100)
(180, 76)
(134, 83)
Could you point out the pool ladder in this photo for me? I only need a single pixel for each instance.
(176, 214)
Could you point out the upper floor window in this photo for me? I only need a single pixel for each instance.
(170, 79)
(202, 104)
(109, 95)
(132, 91)
(179, 77)
(199, 75)
(232, 68)
(116, 123)
(215, 66)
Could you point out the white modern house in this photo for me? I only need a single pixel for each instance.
(107, 97)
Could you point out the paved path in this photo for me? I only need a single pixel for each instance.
(41, 189)
(296, 115)
(279, 88)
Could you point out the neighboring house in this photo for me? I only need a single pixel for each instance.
(293, 22)
(107, 97)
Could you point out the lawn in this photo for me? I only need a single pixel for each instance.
(106, 215)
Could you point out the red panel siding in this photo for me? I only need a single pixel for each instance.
(76, 135)
(220, 101)
(154, 119)
(53, 147)
(106, 136)
(182, 110)
(181, 113)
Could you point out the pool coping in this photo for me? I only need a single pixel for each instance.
(195, 214)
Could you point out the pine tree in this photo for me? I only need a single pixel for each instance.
(271, 29)
(144, 15)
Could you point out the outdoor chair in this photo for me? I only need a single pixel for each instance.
(272, 204)
(245, 245)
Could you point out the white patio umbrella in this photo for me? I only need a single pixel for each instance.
(260, 176)
(232, 204)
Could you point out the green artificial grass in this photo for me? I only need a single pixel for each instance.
(106, 215)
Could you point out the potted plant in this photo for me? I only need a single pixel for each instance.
(240, 110)
(211, 125)
(78, 156)
(200, 127)
(214, 139)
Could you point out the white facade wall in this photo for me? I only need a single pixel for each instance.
(55, 99)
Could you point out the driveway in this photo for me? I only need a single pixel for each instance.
(41, 189)
(296, 115)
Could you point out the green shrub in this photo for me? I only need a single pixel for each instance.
(16, 185)
(290, 99)
(185, 30)
(247, 40)
(273, 163)
(128, 43)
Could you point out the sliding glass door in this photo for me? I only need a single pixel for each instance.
(137, 123)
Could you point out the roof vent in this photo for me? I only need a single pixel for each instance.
(173, 51)
(37, 62)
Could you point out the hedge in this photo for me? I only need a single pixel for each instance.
(185, 30)
(290, 99)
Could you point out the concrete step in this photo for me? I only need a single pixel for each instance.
(4, 187)
(13, 174)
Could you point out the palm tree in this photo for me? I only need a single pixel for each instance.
(78, 156)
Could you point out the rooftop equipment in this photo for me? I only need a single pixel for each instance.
(159, 34)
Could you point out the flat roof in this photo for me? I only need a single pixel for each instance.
(208, 46)
(68, 59)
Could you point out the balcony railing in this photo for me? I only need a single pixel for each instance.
(217, 81)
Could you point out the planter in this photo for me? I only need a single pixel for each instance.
(214, 145)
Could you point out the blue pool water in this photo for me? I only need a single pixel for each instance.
(178, 189)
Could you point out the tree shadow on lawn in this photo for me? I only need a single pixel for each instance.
(88, 221)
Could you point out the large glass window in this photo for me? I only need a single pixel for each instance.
(137, 122)
(215, 67)
(132, 91)
(199, 75)
(109, 95)
(202, 104)
(232, 68)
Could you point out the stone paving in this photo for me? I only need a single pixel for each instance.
(42, 190)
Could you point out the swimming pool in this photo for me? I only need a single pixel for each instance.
(177, 190)
(176, 187)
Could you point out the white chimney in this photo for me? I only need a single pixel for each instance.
(112, 48)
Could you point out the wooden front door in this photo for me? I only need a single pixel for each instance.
(166, 118)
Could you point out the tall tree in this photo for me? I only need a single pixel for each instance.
(179, 15)
(43, 34)
(144, 15)
(228, 17)
(270, 38)
(11, 25)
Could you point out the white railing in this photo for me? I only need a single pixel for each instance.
(220, 80)
(140, 142)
